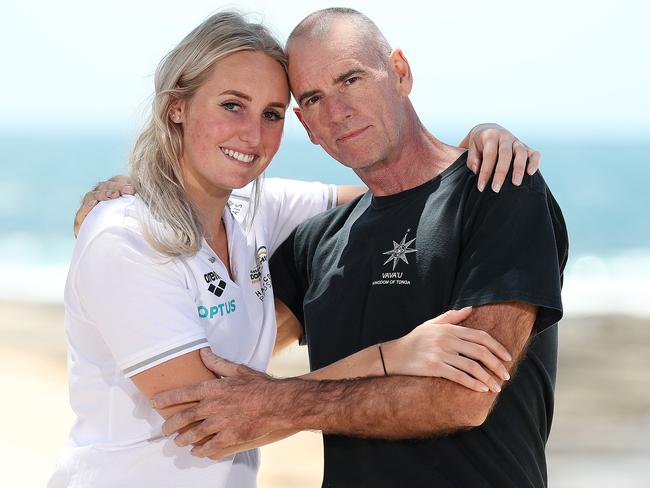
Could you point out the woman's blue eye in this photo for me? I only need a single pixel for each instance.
(272, 116)
(231, 106)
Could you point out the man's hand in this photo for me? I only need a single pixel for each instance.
(231, 412)
(491, 145)
(106, 190)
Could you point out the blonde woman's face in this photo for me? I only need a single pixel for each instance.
(233, 124)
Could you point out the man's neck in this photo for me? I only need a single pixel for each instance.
(419, 158)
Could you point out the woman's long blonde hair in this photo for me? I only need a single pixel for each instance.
(154, 161)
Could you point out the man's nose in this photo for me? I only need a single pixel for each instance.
(338, 110)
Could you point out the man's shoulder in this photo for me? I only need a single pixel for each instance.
(532, 188)
(330, 222)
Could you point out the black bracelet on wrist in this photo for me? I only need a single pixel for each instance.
(381, 355)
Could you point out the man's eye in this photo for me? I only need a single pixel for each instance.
(231, 106)
(312, 100)
(272, 116)
(352, 79)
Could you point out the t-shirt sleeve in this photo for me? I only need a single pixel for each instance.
(287, 203)
(289, 278)
(138, 301)
(514, 248)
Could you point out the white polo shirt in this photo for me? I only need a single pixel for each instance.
(128, 309)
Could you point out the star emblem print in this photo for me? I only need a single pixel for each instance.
(400, 250)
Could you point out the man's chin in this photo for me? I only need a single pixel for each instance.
(359, 164)
(357, 160)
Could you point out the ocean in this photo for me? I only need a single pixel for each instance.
(600, 185)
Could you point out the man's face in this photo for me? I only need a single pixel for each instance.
(349, 102)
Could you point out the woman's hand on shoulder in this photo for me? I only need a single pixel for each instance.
(493, 149)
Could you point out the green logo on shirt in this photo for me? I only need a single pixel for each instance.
(220, 310)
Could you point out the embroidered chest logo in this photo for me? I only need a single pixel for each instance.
(211, 278)
(260, 275)
(400, 250)
(256, 272)
(399, 253)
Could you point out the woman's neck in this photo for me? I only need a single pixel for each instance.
(209, 202)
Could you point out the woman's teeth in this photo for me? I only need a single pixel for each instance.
(244, 158)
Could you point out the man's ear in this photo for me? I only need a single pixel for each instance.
(400, 66)
(296, 110)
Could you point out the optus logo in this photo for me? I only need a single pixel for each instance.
(220, 310)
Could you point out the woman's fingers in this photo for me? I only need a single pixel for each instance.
(519, 163)
(484, 355)
(473, 369)
(534, 160)
(453, 316)
(488, 161)
(457, 376)
(485, 339)
(503, 165)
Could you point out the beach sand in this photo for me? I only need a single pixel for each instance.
(599, 436)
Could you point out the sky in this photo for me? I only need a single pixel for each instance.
(559, 67)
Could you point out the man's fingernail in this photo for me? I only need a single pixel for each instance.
(496, 388)
(474, 167)
(519, 179)
(484, 388)
(481, 185)
(496, 186)
(506, 376)
(530, 170)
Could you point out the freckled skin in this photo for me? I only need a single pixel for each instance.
(212, 120)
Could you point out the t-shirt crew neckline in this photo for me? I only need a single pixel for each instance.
(380, 202)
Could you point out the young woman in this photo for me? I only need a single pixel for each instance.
(183, 265)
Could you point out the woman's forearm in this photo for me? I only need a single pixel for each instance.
(364, 363)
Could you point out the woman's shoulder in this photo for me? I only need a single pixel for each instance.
(113, 226)
(118, 214)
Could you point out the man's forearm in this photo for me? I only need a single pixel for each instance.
(401, 406)
(394, 407)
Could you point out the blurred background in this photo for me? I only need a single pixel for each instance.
(569, 78)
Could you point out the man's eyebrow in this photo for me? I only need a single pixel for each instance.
(341, 78)
(248, 98)
(305, 95)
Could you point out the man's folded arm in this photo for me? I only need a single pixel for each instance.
(398, 407)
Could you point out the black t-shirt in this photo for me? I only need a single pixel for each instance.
(372, 270)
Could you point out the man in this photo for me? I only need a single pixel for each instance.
(423, 240)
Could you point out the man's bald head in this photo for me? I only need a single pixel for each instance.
(318, 25)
